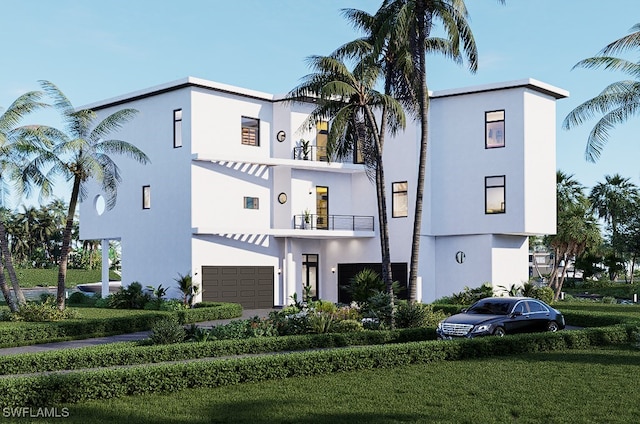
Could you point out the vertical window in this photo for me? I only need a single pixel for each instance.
(400, 200)
(494, 194)
(177, 128)
(250, 131)
(146, 197)
(251, 203)
(322, 138)
(310, 275)
(494, 129)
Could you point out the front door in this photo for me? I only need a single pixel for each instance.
(322, 207)
(310, 275)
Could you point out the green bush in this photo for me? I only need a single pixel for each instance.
(46, 311)
(412, 315)
(363, 285)
(348, 326)
(471, 295)
(79, 298)
(131, 297)
(167, 331)
(209, 311)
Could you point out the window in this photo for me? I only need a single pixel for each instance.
(251, 202)
(177, 128)
(400, 200)
(322, 137)
(250, 131)
(494, 129)
(146, 197)
(494, 194)
(310, 275)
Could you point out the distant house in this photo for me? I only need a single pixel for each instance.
(250, 204)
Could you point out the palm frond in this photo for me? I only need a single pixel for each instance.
(611, 64)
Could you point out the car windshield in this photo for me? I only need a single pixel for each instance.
(490, 308)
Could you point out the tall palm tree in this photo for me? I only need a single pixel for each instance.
(613, 201)
(411, 22)
(14, 142)
(577, 228)
(615, 104)
(83, 153)
(381, 46)
(349, 100)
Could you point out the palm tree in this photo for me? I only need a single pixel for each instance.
(613, 201)
(80, 154)
(14, 141)
(615, 104)
(349, 100)
(577, 228)
(410, 23)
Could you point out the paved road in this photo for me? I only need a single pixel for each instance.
(73, 344)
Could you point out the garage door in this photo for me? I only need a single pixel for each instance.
(251, 286)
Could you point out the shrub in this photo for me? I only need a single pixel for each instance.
(363, 285)
(79, 298)
(259, 327)
(320, 322)
(379, 308)
(167, 331)
(469, 296)
(348, 326)
(43, 312)
(131, 297)
(413, 315)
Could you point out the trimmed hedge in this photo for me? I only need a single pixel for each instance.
(209, 311)
(102, 384)
(132, 354)
(22, 333)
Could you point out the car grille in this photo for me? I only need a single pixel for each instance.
(456, 329)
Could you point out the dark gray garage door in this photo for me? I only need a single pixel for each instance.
(251, 286)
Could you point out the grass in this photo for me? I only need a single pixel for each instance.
(588, 386)
(29, 277)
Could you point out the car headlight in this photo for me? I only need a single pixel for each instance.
(481, 328)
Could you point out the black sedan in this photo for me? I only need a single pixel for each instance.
(501, 315)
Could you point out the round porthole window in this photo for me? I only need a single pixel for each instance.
(99, 204)
(281, 136)
(282, 198)
(460, 256)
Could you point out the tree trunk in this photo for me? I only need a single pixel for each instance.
(66, 244)
(6, 292)
(387, 276)
(6, 254)
(423, 100)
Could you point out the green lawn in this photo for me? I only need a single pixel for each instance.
(577, 386)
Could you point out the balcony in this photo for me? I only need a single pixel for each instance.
(309, 152)
(333, 222)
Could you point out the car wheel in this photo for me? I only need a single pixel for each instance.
(499, 331)
(552, 326)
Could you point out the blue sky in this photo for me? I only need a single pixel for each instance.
(99, 49)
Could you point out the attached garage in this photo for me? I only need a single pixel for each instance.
(250, 286)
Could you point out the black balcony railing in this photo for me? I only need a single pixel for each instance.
(333, 222)
(317, 153)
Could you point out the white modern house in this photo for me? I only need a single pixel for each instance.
(241, 197)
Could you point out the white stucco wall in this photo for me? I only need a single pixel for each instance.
(155, 242)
